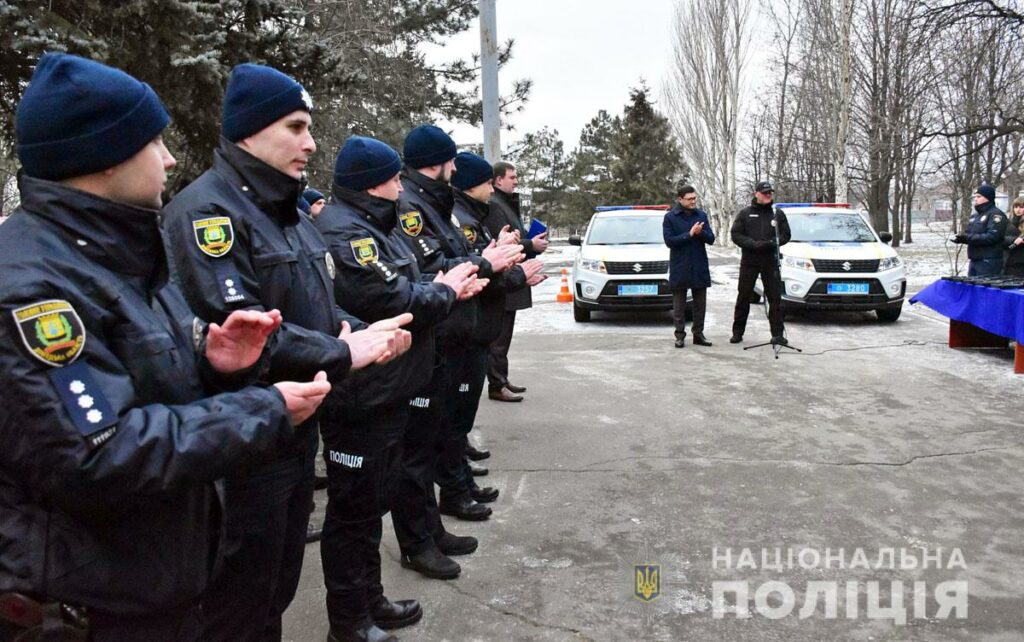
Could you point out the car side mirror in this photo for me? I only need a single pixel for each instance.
(886, 237)
(575, 239)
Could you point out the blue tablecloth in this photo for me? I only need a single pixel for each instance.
(997, 311)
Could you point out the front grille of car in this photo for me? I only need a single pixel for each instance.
(842, 266)
(630, 267)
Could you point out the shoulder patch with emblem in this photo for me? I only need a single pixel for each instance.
(83, 400)
(984, 218)
(469, 232)
(51, 330)
(214, 236)
(329, 262)
(365, 250)
(412, 222)
(997, 219)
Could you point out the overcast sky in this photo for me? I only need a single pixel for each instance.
(581, 56)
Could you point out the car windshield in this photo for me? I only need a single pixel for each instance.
(622, 230)
(841, 228)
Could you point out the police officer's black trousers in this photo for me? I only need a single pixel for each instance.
(469, 371)
(363, 450)
(265, 522)
(172, 625)
(414, 511)
(985, 267)
(772, 289)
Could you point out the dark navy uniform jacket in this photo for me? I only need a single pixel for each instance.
(108, 449)
(439, 245)
(472, 215)
(378, 278)
(237, 241)
(985, 231)
(688, 255)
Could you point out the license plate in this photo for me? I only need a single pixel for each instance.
(638, 290)
(848, 288)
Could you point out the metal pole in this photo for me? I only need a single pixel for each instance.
(489, 80)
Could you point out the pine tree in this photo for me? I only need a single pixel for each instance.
(647, 161)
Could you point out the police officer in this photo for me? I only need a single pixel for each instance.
(110, 449)
(425, 206)
(363, 428)
(239, 242)
(473, 190)
(758, 230)
(314, 200)
(984, 235)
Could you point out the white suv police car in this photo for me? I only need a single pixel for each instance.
(622, 263)
(836, 261)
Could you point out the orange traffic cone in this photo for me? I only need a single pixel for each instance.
(564, 295)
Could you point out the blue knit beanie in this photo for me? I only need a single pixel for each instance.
(312, 196)
(303, 205)
(256, 97)
(80, 117)
(987, 191)
(428, 145)
(363, 163)
(470, 171)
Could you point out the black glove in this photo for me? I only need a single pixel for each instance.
(762, 245)
(960, 238)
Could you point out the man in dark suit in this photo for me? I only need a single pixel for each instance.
(505, 206)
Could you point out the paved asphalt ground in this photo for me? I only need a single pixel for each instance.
(628, 451)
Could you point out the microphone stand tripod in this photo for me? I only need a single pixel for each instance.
(777, 276)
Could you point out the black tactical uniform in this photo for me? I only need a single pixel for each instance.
(985, 234)
(471, 216)
(425, 215)
(238, 242)
(365, 420)
(109, 453)
(756, 231)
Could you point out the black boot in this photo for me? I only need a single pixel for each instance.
(457, 545)
(394, 615)
(432, 563)
(465, 508)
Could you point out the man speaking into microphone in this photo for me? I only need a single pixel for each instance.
(756, 230)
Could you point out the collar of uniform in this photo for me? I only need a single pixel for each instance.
(476, 208)
(984, 207)
(438, 193)
(121, 238)
(762, 207)
(273, 192)
(382, 212)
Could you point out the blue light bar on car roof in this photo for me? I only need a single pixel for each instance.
(812, 205)
(613, 208)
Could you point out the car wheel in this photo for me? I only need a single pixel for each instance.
(580, 314)
(890, 314)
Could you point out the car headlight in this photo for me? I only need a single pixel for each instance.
(889, 263)
(592, 265)
(798, 263)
